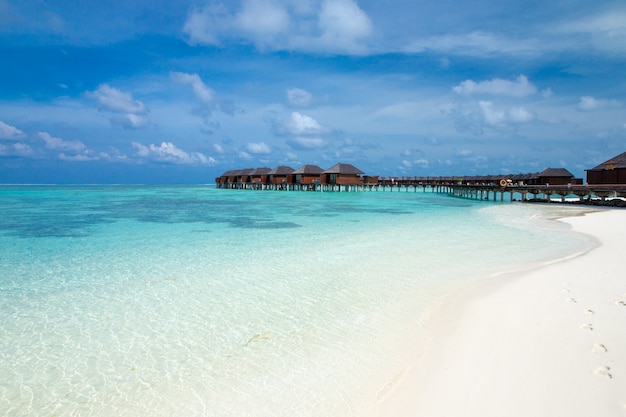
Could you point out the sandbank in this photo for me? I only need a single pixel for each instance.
(550, 341)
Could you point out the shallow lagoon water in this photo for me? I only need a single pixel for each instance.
(193, 301)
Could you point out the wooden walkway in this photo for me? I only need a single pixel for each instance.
(489, 192)
(538, 192)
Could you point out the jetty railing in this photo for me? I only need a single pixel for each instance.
(487, 191)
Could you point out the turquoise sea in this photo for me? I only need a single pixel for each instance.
(193, 301)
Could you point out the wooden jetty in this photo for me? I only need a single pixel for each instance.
(550, 185)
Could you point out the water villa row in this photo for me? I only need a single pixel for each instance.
(604, 181)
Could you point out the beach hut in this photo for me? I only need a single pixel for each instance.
(612, 171)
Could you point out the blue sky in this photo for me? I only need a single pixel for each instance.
(159, 91)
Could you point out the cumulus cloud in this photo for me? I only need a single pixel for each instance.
(590, 103)
(114, 100)
(263, 21)
(303, 131)
(202, 91)
(10, 132)
(299, 97)
(129, 113)
(16, 149)
(60, 144)
(344, 25)
(258, 148)
(300, 124)
(336, 26)
(168, 152)
(496, 116)
(521, 87)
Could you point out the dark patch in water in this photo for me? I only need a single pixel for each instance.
(255, 224)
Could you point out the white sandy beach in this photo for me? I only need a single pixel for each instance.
(547, 342)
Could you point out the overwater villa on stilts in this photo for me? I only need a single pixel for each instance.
(550, 185)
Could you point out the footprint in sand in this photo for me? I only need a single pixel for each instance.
(620, 303)
(589, 312)
(572, 300)
(603, 371)
(587, 326)
(599, 348)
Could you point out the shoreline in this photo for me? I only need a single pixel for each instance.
(542, 342)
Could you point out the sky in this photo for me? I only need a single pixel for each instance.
(167, 91)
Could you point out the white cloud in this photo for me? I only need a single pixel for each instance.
(16, 149)
(495, 116)
(200, 89)
(263, 21)
(204, 26)
(131, 121)
(10, 132)
(299, 97)
(520, 115)
(591, 103)
(218, 148)
(336, 26)
(521, 87)
(305, 143)
(300, 124)
(605, 31)
(23, 149)
(130, 113)
(344, 24)
(475, 44)
(60, 144)
(258, 148)
(87, 156)
(168, 152)
(114, 100)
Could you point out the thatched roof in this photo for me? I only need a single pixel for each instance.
(555, 172)
(281, 170)
(344, 169)
(618, 161)
(309, 169)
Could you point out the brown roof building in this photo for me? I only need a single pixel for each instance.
(307, 174)
(342, 174)
(612, 171)
(279, 174)
(555, 176)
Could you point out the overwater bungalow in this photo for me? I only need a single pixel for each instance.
(610, 172)
(342, 174)
(307, 176)
(279, 176)
(259, 177)
(555, 176)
